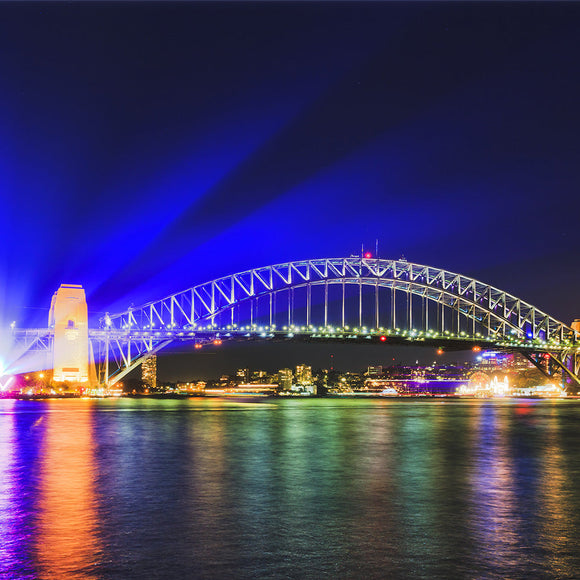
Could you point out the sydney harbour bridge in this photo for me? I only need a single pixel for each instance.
(358, 299)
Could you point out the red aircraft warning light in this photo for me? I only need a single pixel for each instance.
(368, 255)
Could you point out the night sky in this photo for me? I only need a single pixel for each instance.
(148, 147)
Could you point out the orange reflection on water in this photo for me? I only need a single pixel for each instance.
(67, 543)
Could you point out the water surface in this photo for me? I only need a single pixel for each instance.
(321, 488)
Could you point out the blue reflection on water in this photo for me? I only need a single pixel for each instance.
(21, 431)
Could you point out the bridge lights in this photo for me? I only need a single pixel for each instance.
(383, 338)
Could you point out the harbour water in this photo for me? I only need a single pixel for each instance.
(311, 488)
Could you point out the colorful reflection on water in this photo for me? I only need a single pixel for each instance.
(9, 509)
(299, 489)
(66, 541)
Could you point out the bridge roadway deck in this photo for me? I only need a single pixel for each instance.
(40, 338)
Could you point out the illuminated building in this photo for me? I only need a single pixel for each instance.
(549, 390)
(149, 372)
(374, 371)
(492, 361)
(255, 389)
(481, 385)
(243, 375)
(285, 377)
(69, 319)
(191, 387)
(375, 385)
(303, 375)
(259, 376)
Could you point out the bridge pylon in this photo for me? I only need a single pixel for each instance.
(68, 317)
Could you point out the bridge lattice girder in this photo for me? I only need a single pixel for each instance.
(479, 310)
(498, 311)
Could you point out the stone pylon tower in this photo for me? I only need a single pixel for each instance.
(69, 318)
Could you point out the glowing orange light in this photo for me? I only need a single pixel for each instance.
(476, 348)
(217, 341)
(368, 255)
(439, 351)
(67, 496)
(383, 338)
(198, 345)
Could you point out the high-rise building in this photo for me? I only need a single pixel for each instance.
(303, 375)
(243, 375)
(149, 372)
(285, 377)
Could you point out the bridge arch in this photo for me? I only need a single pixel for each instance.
(483, 304)
(336, 295)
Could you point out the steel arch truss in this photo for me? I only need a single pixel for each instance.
(343, 294)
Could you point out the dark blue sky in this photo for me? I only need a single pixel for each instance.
(147, 147)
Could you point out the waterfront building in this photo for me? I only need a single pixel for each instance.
(303, 375)
(258, 389)
(149, 372)
(285, 377)
(258, 376)
(374, 371)
(378, 386)
(493, 361)
(190, 388)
